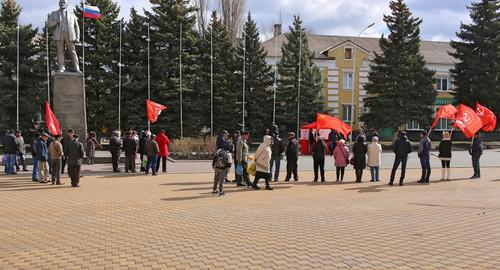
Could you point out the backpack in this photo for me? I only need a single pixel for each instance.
(221, 159)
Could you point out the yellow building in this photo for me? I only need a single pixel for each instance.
(345, 63)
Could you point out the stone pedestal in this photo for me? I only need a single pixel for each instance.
(69, 102)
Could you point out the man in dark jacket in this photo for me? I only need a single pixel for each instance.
(130, 148)
(75, 158)
(402, 148)
(476, 151)
(277, 149)
(312, 140)
(318, 153)
(292, 156)
(222, 140)
(115, 145)
(332, 140)
(65, 143)
(10, 150)
(34, 175)
(424, 153)
(142, 149)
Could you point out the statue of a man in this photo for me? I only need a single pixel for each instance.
(66, 33)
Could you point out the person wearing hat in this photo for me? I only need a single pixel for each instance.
(130, 148)
(241, 157)
(56, 153)
(42, 155)
(292, 156)
(10, 151)
(21, 151)
(222, 140)
(75, 159)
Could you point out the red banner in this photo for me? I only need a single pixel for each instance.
(468, 121)
(153, 110)
(51, 121)
(447, 111)
(324, 121)
(487, 116)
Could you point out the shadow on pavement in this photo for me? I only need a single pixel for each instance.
(207, 195)
(40, 187)
(377, 188)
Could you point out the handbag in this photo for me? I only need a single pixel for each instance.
(352, 161)
(252, 169)
(239, 170)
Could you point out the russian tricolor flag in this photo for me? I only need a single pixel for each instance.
(91, 12)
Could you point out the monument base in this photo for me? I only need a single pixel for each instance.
(69, 102)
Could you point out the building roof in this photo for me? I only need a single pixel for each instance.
(434, 52)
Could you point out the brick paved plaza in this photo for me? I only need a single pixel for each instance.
(173, 222)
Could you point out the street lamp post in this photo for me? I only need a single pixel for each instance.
(353, 104)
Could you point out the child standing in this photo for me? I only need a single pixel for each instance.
(221, 164)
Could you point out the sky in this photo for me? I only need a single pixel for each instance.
(441, 18)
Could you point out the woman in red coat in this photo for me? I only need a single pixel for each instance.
(163, 143)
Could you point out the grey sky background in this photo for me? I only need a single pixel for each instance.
(328, 17)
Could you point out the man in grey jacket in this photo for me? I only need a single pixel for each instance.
(21, 151)
(241, 158)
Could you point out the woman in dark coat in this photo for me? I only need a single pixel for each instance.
(445, 155)
(359, 150)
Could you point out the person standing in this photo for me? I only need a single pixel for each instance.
(21, 151)
(359, 151)
(318, 154)
(65, 143)
(221, 164)
(152, 151)
(292, 157)
(10, 150)
(92, 144)
(42, 155)
(445, 156)
(277, 150)
(401, 148)
(241, 157)
(34, 175)
(130, 148)
(163, 143)
(221, 142)
(56, 152)
(115, 145)
(332, 141)
(236, 139)
(75, 159)
(142, 149)
(263, 162)
(374, 158)
(312, 140)
(424, 153)
(341, 156)
(476, 151)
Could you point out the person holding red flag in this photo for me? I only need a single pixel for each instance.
(487, 116)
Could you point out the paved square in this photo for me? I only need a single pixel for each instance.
(172, 222)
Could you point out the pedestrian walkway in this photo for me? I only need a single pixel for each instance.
(126, 221)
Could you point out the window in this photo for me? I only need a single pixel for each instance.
(443, 83)
(348, 53)
(347, 113)
(348, 80)
(413, 125)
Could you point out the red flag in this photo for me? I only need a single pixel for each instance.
(446, 111)
(468, 121)
(324, 121)
(51, 120)
(487, 116)
(153, 110)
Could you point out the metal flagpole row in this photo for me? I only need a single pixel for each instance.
(48, 64)
(17, 80)
(211, 81)
(120, 80)
(275, 85)
(180, 80)
(149, 70)
(83, 69)
(300, 82)
(244, 76)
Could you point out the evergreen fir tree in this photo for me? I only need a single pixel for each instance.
(227, 95)
(166, 17)
(288, 86)
(30, 97)
(476, 75)
(101, 65)
(135, 60)
(400, 86)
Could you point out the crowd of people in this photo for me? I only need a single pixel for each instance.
(361, 155)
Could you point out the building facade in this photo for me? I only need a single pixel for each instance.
(345, 64)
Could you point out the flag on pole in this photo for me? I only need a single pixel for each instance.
(153, 110)
(91, 12)
(51, 121)
(487, 116)
(468, 121)
(324, 121)
(447, 111)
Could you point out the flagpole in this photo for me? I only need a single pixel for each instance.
(17, 79)
(275, 85)
(211, 81)
(48, 63)
(83, 69)
(244, 76)
(300, 81)
(120, 80)
(180, 78)
(149, 75)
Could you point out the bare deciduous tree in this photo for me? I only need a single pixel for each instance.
(233, 12)
(202, 11)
